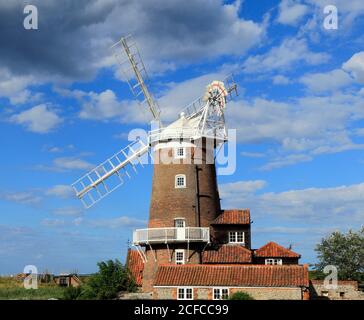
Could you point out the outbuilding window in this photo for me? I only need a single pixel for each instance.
(180, 181)
(221, 293)
(185, 294)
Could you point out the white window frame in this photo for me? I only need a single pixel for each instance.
(220, 294)
(177, 154)
(273, 261)
(179, 261)
(235, 233)
(176, 185)
(184, 293)
(176, 220)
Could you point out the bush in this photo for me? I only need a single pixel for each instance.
(72, 293)
(111, 279)
(240, 295)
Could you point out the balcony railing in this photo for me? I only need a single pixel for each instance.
(170, 235)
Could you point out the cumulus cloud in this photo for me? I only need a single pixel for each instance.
(355, 65)
(85, 30)
(281, 80)
(332, 205)
(21, 197)
(291, 51)
(291, 12)
(68, 211)
(39, 119)
(326, 81)
(116, 223)
(61, 191)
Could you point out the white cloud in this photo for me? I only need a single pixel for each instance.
(291, 12)
(116, 223)
(14, 87)
(321, 82)
(53, 222)
(252, 154)
(281, 80)
(39, 119)
(332, 205)
(21, 197)
(71, 163)
(68, 211)
(290, 52)
(61, 191)
(355, 65)
(240, 188)
(285, 161)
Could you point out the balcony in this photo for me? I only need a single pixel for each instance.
(170, 235)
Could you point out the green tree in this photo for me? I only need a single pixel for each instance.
(111, 279)
(345, 251)
(241, 295)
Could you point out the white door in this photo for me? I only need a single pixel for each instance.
(180, 229)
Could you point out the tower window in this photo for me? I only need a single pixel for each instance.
(273, 262)
(180, 153)
(180, 256)
(236, 237)
(180, 181)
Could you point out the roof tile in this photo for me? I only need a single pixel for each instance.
(135, 265)
(233, 216)
(227, 254)
(232, 275)
(272, 249)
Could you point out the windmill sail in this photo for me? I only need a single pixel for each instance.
(133, 69)
(110, 174)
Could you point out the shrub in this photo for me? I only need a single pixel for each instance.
(111, 279)
(240, 295)
(72, 293)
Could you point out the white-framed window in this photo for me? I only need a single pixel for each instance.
(185, 294)
(179, 256)
(179, 223)
(221, 293)
(180, 153)
(180, 181)
(273, 262)
(236, 237)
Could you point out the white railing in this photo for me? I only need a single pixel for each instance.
(173, 133)
(169, 235)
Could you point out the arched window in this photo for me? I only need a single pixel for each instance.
(180, 181)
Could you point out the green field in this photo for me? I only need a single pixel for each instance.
(12, 289)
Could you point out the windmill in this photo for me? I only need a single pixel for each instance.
(185, 198)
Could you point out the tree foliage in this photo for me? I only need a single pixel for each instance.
(111, 279)
(345, 251)
(241, 295)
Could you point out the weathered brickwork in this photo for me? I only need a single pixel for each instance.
(346, 290)
(272, 293)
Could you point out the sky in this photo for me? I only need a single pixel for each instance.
(64, 108)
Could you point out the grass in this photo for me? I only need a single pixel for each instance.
(12, 289)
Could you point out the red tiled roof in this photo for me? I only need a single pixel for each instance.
(233, 216)
(272, 249)
(227, 254)
(232, 275)
(135, 265)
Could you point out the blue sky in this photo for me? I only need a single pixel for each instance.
(64, 108)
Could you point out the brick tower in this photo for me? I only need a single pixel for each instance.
(184, 202)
